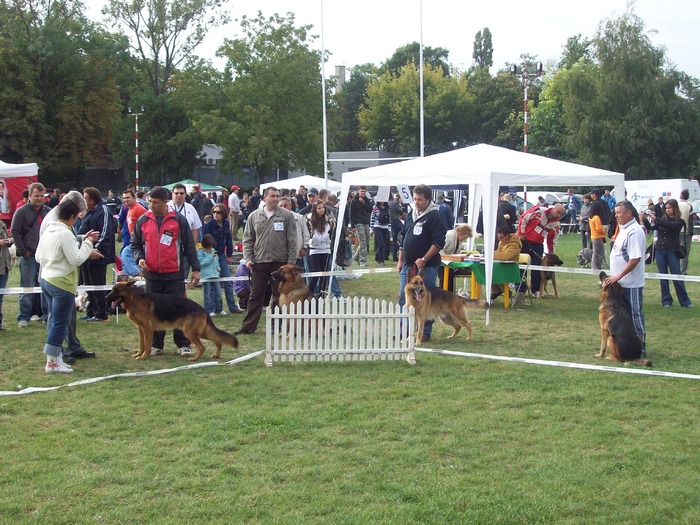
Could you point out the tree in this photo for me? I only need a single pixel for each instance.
(165, 32)
(483, 49)
(59, 85)
(410, 54)
(269, 115)
(577, 48)
(495, 99)
(627, 113)
(343, 118)
(390, 119)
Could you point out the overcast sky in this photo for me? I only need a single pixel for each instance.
(369, 31)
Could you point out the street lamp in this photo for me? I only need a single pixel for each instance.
(136, 143)
(525, 79)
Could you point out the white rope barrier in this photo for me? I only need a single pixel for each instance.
(89, 381)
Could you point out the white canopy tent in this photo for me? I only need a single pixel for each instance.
(483, 168)
(308, 181)
(18, 170)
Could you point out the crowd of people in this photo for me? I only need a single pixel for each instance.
(169, 237)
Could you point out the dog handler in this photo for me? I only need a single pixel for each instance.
(626, 254)
(423, 238)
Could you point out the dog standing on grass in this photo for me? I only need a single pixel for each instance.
(154, 311)
(551, 259)
(616, 327)
(430, 304)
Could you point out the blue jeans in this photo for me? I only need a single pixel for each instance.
(61, 305)
(228, 285)
(3, 284)
(212, 297)
(29, 278)
(430, 278)
(667, 262)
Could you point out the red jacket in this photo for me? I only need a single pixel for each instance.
(535, 226)
(162, 246)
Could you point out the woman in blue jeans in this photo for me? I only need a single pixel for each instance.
(60, 255)
(669, 227)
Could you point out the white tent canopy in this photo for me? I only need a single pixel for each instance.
(483, 168)
(18, 170)
(308, 181)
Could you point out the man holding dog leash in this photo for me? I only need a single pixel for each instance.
(423, 238)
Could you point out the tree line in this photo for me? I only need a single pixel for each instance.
(612, 101)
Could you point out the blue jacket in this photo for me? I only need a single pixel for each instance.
(209, 263)
(222, 235)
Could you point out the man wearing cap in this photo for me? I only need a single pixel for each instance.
(234, 211)
(311, 197)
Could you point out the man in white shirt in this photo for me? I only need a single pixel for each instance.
(234, 210)
(179, 205)
(626, 266)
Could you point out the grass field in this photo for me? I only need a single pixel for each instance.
(451, 440)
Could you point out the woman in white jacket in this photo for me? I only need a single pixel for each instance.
(60, 255)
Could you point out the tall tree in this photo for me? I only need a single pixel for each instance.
(495, 99)
(343, 119)
(410, 54)
(483, 49)
(390, 119)
(270, 112)
(60, 77)
(165, 32)
(576, 48)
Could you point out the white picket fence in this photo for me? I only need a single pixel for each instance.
(360, 329)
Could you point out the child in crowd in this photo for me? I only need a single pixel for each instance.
(242, 287)
(209, 262)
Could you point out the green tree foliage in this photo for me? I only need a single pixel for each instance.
(410, 54)
(576, 49)
(390, 119)
(269, 115)
(625, 111)
(165, 32)
(483, 49)
(497, 101)
(343, 117)
(58, 85)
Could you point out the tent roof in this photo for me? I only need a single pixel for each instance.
(18, 170)
(192, 182)
(482, 164)
(305, 180)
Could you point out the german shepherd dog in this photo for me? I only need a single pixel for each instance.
(431, 304)
(292, 288)
(616, 327)
(155, 311)
(551, 259)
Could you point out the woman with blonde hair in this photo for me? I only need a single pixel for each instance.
(455, 238)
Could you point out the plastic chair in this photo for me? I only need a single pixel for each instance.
(522, 290)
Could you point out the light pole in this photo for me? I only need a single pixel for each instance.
(525, 79)
(136, 143)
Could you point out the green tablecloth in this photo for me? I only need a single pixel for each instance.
(503, 272)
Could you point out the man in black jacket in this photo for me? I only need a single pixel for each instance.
(360, 214)
(94, 272)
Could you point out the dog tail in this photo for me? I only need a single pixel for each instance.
(474, 304)
(642, 362)
(212, 333)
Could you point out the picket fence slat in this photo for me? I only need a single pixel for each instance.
(328, 330)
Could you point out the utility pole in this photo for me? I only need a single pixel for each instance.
(136, 143)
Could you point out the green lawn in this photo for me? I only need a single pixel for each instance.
(451, 440)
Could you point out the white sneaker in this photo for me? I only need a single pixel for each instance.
(156, 351)
(223, 312)
(35, 318)
(212, 314)
(57, 367)
(60, 361)
(22, 324)
(185, 351)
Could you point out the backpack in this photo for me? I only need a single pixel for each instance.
(384, 217)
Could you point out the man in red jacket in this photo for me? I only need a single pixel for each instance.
(534, 227)
(161, 238)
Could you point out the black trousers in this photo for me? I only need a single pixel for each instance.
(169, 287)
(95, 275)
(260, 282)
